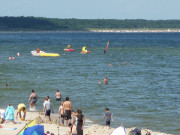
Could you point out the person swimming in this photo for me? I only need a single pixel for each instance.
(105, 80)
(6, 85)
(18, 54)
(104, 51)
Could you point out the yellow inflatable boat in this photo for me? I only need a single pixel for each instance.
(44, 54)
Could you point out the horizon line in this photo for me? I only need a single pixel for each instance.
(93, 18)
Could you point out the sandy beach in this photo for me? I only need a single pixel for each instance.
(57, 128)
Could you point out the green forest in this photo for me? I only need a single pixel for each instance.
(54, 24)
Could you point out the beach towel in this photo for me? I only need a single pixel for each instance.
(119, 131)
(9, 113)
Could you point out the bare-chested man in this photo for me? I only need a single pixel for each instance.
(58, 96)
(67, 106)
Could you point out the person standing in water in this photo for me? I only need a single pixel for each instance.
(108, 117)
(6, 85)
(105, 80)
(33, 100)
(58, 95)
(99, 82)
(104, 51)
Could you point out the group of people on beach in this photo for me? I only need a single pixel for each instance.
(74, 120)
(7, 116)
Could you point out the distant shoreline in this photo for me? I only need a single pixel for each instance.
(101, 31)
(136, 30)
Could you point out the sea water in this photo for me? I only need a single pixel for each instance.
(143, 82)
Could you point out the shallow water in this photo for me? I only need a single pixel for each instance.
(144, 94)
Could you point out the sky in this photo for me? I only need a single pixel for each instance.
(93, 9)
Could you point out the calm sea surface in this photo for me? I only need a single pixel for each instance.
(145, 94)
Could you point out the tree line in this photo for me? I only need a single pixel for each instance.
(43, 24)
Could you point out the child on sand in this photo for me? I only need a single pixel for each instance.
(61, 113)
(108, 117)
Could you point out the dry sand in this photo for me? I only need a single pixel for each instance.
(55, 127)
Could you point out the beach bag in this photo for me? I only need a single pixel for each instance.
(135, 131)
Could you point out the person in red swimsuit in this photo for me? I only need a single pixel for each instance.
(38, 50)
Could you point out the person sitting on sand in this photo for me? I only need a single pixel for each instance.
(67, 106)
(58, 95)
(21, 108)
(10, 114)
(105, 80)
(61, 113)
(33, 100)
(47, 109)
(108, 116)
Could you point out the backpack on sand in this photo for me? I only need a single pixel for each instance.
(136, 131)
